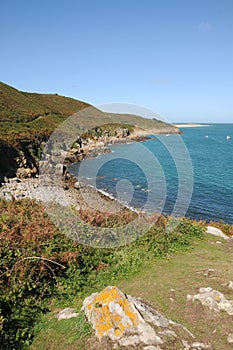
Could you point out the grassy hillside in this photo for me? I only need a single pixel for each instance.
(29, 116)
(40, 266)
(17, 106)
(164, 284)
(42, 270)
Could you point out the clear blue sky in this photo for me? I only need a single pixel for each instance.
(172, 56)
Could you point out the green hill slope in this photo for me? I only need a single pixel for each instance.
(17, 106)
(28, 116)
(28, 119)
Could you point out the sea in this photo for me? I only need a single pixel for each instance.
(190, 174)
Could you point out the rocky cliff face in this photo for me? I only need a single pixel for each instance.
(8, 161)
(23, 161)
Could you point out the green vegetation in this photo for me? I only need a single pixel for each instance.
(29, 116)
(33, 116)
(53, 334)
(165, 284)
(40, 267)
(28, 119)
(110, 129)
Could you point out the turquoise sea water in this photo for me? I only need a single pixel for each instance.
(189, 174)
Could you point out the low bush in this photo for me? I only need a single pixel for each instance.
(38, 263)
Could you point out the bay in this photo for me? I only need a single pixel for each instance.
(184, 175)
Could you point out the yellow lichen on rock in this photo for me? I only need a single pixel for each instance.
(111, 313)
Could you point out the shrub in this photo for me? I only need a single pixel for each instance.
(38, 263)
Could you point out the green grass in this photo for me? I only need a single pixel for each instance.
(149, 267)
(184, 272)
(42, 269)
(33, 116)
(66, 334)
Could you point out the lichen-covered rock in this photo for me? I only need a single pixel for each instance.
(129, 322)
(213, 299)
(111, 314)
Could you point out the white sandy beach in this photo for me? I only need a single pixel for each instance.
(190, 125)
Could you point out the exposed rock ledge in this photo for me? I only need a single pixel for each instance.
(130, 323)
(23, 162)
(213, 299)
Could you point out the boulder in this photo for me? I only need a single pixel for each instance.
(213, 299)
(216, 232)
(59, 169)
(77, 185)
(230, 338)
(23, 173)
(66, 313)
(112, 315)
(129, 322)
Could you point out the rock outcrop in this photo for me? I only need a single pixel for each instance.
(129, 322)
(213, 299)
(66, 314)
(216, 232)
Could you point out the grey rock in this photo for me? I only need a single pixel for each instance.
(14, 179)
(143, 326)
(23, 173)
(66, 313)
(168, 333)
(200, 346)
(216, 232)
(230, 285)
(204, 290)
(214, 300)
(131, 340)
(149, 314)
(77, 185)
(230, 338)
(186, 345)
(59, 169)
(133, 329)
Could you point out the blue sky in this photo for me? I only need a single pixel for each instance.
(171, 56)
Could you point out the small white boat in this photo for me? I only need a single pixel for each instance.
(228, 137)
(206, 136)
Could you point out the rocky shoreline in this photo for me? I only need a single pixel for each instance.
(66, 191)
(41, 181)
(60, 186)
